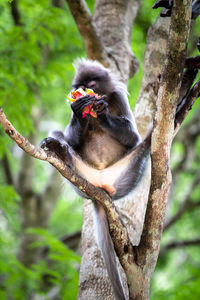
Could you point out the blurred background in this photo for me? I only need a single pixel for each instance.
(40, 215)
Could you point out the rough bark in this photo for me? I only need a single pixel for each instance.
(186, 205)
(109, 17)
(153, 65)
(162, 137)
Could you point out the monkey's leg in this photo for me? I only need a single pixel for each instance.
(124, 175)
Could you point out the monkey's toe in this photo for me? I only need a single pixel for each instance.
(49, 143)
(54, 145)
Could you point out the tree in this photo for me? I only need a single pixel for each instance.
(105, 42)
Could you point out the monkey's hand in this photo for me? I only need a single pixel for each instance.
(81, 103)
(60, 148)
(101, 106)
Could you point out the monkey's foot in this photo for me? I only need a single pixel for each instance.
(101, 106)
(59, 148)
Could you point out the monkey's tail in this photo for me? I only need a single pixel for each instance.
(108, 252)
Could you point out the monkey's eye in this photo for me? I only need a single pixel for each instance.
(91, 84)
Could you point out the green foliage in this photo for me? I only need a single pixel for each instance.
(178, 277)
(35, 73)
(62, 262)
(60, 270)
(26, 69)
(9, 203)
(67, 210)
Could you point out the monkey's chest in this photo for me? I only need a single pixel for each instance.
(101, 150)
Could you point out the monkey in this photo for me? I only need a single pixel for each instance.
(107, 151)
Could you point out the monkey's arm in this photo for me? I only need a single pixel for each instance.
(121, 126)
(74, 133)
(122, 129)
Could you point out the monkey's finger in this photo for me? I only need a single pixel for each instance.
(80, 105)
(85, 98)
(102, 98)
(47, 143)
(100, 103)
(51, 144)
(58, 147)
(100, 106)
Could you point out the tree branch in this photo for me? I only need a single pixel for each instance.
(186, 205)
(162, 136)
(180, 244)
(7, 170)
(122, 244)
(15, 13)
(186, 105)
(85, 24)
(72, 241)
(187, 81)
(57, 3)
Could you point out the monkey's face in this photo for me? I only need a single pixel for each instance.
(93, 78)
